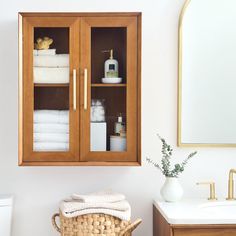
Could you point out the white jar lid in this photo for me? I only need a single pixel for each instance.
(6, 200)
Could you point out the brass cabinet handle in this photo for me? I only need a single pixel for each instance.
(212, 189)
(74, 89)
(85, 88)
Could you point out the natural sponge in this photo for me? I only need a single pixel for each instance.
(43, 43)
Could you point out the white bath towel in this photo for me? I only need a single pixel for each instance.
(44, 52)
(53, 147)
(51, 128)
(51, 137)
(59, 60)
(70, 205)
(51, 75)
(123, 215)
(98, 197)
(51, 116)
(35, 52)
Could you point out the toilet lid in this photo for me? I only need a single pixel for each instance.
(6, 200)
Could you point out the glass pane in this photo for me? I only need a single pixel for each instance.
(51, 89)
(108, 89)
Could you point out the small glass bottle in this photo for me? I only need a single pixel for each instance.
(119, 126)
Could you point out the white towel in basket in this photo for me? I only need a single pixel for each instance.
(103, 196)
(123, 215)
(69, 205)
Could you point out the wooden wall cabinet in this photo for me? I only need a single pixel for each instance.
(162, 228)
(58, 91)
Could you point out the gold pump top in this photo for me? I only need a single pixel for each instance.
(110, 51)
(111, 54)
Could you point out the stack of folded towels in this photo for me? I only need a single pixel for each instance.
(50, 67)
(51, 130)
(106, 202)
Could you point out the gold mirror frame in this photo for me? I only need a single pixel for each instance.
(179, 129)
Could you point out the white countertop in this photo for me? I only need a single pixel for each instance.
(198, 211)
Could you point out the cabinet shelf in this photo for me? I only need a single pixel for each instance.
(108, 85)
(51, 85)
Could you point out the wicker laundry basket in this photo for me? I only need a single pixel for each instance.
(94, 225)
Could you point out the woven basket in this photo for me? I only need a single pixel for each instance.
(94, 225)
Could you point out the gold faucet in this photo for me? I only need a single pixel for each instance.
(212, 190)
(231, 185)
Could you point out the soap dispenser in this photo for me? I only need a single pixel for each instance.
(111, 66)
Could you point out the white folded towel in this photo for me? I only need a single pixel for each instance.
(99, 197)
(123, 215)
(51, 116)
(46, 52)
(53, 147)
(58, 60)
(51, 138)
(35, 52)
(70, 205)
(51, 128)
(51, 75)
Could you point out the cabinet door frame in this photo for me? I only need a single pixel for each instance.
(133, 153)
(26, 87)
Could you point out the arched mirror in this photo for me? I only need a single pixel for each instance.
(207, 73)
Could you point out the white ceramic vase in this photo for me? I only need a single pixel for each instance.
(172, 190)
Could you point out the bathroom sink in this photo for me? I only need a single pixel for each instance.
(198, 211)
(226, 209)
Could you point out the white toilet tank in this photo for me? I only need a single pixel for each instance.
(6, 203)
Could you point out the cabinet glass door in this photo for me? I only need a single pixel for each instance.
(109, 89)
(52, 90)
(51, 74)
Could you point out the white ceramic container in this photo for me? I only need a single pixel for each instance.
(172, 191)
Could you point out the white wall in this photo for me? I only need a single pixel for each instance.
(38, 189)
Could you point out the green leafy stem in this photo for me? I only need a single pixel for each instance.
(165, 166)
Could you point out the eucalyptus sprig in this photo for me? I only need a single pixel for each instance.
(165, 166)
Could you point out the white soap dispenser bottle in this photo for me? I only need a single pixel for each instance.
(111, 67)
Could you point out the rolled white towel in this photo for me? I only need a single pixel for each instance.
(45, 75)
(44, 52)
(53, 147)
(51, 116)
(50, 138)
(51, 128)
(58, 60)
(103, 196)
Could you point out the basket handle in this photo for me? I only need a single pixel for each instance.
(131, 227)
(54, 223)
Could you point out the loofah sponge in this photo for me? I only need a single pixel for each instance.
(43, 43)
